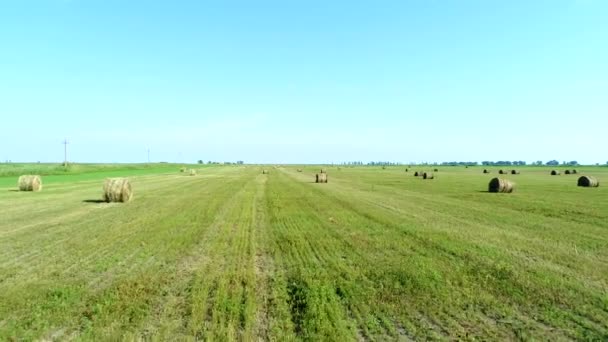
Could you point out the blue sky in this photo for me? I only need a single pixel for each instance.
(304, 81)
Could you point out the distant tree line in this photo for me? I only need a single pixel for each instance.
(382, 163)
(555, 163)
(238, 162)
(453, 163)
(504, 163)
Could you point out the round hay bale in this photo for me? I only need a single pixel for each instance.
(567, 172)
(183, 169)
(192, 172)
(502, 172)
(299, 170)
(29, 183)
(487, 171)
(588, 181)
(556, 173)
(383, 167)
(416, 174)
(406, 170)
(117, 190)
(501, 185)
(436, 170)
(321, 178)
(514, 172)
(574, 172)
(322, 171)
(428, 175)
(264, 172)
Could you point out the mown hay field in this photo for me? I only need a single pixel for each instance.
(235, 254)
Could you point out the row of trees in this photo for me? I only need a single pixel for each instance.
(238, 162)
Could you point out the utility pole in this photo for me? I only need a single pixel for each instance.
(148, 156)
(65, 152)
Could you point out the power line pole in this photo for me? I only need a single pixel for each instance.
(65, 152)
(148, 156)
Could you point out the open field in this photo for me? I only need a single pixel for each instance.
(372, 255)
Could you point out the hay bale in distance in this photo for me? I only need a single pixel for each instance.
(416, 174)
(264, 172)
(321, 178)
(436, 170)
(574, 172)
(486, 171)
(501, 185)
(117, 190)
(502, 172)
(299, 170)
(514, 172)
(588, 181)
(29, 183)
(567, 172)
(428, 175)
(557, 173)
(183, 169)
(192, 172)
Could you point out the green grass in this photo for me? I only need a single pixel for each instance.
(234, 254)
(55, 173)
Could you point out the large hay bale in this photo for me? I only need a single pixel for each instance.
(588, 181)
(428, 175)
(117, 190)
(487, 171)
(192, 172)
(321, 178)
(502, 172)
(29, 183)
(567, 172)
(501, 185)
(557, 173)
(514, 172)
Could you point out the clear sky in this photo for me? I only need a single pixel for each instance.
(291, 81)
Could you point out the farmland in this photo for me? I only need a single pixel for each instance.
(235, 254)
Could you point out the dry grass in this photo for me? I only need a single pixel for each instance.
(30, 183)
(588, 181)
(321, 178)
(117, 190)
(501, 185)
